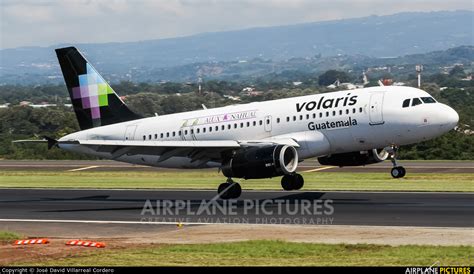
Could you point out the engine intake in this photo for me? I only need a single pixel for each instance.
(261, 162)
(357, 158)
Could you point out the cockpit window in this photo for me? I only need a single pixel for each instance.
(416, 101)
(428, 100)
(406, 103)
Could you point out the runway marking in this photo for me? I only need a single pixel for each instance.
(204, 223)
(52, 165)
(106, 222)
(319, 169)
(83, 168)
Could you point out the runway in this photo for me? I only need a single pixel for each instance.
(130, 207)
(310, 165)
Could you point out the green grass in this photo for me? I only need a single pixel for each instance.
(210, 180)
(8, 236)
(272, 253)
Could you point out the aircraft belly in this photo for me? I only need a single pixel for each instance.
(173, 162)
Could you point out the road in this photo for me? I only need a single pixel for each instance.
(119, 207)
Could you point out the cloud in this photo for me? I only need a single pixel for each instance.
(47, 22)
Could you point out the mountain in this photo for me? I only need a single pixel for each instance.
(373, 36)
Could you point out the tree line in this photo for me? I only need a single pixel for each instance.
(22, 122)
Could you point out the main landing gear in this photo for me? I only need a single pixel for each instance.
(292, 181)
(397, 171)
(229, 190)
(232, 190)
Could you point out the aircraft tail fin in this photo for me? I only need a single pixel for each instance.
(95, 102)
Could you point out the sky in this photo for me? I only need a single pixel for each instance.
(50, 22)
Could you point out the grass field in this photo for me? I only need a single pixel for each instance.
(211, 179)
(274, 253)
(8, 236)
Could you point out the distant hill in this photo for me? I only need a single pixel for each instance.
(373, 36)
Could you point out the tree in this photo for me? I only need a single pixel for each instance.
(457, 71)
(331, 76)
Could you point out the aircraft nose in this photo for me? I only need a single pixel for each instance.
(451, 117)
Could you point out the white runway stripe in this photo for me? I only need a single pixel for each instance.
(84, 168)
(319, 169)
(203, 223)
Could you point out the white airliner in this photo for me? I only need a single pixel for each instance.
(256, 140)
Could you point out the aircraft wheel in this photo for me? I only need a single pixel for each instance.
(287, 182)
(398, 172)
(292, 182)
(298, 182)
(229, 190)
(402, 171)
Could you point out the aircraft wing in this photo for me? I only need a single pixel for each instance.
(204, 151)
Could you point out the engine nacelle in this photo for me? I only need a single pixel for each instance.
(357, 158)
(261, 162)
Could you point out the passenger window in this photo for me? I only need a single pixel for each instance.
(168, 134)
(210, 129)
(353, 110)
(428, 100)
(314, 115)
(156, 136)
(327, 113)
(340, 112)
(198, 130)
(241, 125)
(307, 116)
(278, 120)
(287, 119)
(347, 111)
(235, 125)
(406, 103)
(333, 113)
(179, 133)
(294, 118)
(268, 121)
(222, 127)
(229, 126)
(248, 124)
(161, 135)
(360, 110)
(217, 128)
(320, 115)
(261, 123)
(301, 117)
(415, 102)
(203, 130)
(174, 134)
(144, 137)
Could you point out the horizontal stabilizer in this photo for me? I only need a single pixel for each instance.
(48, 140)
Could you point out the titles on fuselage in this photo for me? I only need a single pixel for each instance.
(327, 103)
(218, 118)
(332, 125)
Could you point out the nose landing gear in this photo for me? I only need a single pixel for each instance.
(397, 171)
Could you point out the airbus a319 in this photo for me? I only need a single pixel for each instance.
(252, 141)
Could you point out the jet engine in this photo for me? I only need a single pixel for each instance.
(357, 158)
(261, 162)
